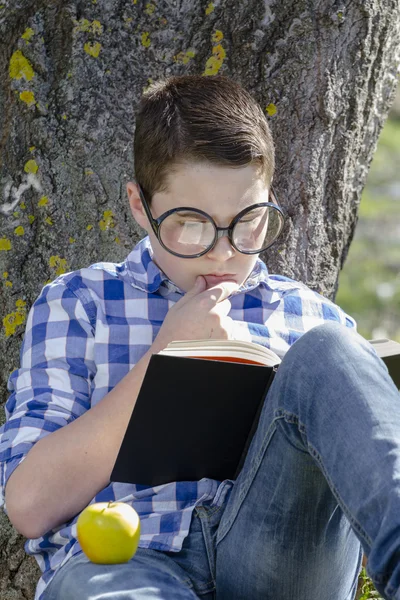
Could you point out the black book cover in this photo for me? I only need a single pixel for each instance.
(193, 418)
(393, 364)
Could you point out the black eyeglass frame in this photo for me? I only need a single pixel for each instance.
(219, 231)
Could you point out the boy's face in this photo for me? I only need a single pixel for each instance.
(222, 192)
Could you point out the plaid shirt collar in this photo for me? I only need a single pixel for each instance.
(147, 276)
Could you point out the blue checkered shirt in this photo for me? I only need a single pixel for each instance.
(84, 333)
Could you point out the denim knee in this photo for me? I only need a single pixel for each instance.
(323, 343)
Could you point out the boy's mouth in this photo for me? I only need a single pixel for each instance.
(213, 279)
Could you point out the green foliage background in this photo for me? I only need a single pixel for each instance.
(369, 284)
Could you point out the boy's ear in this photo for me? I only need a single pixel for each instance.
(136, 205)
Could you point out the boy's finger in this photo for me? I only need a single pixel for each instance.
(223, 308)
(199, 286)
(220, 292)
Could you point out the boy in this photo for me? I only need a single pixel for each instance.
(321, 480)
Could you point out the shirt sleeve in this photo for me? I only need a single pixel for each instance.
(304, 309)
(52, 387)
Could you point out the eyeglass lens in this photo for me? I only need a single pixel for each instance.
(190, 233)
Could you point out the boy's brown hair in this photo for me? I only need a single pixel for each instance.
(202, 119)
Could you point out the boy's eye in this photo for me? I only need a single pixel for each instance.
(254, 217)
(192, 221)
(249, 220)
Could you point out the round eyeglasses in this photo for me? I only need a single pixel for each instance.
(190, 232)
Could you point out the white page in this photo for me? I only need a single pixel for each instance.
(385, 347)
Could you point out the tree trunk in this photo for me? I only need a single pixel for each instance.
(71, 73)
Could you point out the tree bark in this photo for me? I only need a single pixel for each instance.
(71, 73)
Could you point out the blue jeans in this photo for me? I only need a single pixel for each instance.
(320, 486)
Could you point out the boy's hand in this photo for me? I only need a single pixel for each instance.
(201, 313)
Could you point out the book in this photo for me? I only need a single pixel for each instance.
(226, 350)
(198, 409)
(389, 352)
(196, 412)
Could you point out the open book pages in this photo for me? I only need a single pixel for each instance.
(385, 347)
(229, 350)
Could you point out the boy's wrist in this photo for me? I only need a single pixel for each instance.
(156, 346)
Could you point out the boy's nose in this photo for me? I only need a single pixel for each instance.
(223, 249)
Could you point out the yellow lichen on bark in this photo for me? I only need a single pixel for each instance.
(184, 57)
(145, 39)
(97, 27)
(20, 67)
(92, 49)
(31, 167)
(108, 220)
(27, 97)
(214, 63)
(28, 34)
(58, 263)
(86, 26)
(5, 244)
(12, 320)
(217, 36)
(271, 109)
